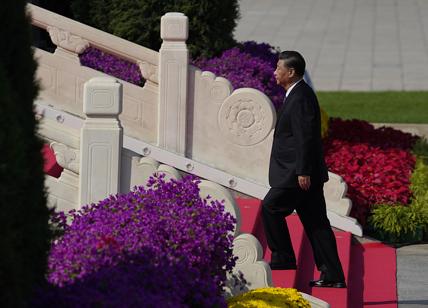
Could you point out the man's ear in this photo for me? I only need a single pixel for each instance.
(291, 72)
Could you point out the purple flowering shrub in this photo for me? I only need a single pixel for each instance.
(165, 230)
(112, 65)
(249, 66)
(136, 282)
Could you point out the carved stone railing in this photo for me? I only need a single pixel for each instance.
(188, 117)
(62, 77)
(64, 128)
(74, 37)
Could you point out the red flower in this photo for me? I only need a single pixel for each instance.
(375, 163)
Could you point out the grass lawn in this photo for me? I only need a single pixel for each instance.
(377, 107)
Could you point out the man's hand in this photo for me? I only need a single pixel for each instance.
(304, 181)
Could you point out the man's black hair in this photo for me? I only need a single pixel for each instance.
(293, 59)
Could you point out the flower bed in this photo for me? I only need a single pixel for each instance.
(402, 223)
(269, 297)
(249, 66)
(111, 65)
(375, 163)
(136, 282)
(167, 229)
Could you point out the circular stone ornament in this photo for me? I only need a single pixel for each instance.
(246, 117)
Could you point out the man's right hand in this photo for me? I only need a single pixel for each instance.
(304, 181)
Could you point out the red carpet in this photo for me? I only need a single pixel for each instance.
(370, 269)
(380, 272)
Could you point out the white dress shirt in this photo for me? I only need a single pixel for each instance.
(292, 86)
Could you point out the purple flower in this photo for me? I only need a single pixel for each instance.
(112, 65)
(136, 282)
(252, 65)
(167, 229)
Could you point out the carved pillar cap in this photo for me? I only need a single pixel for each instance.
(102, 96)
(174, 27)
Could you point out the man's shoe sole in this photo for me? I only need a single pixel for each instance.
(339, 285)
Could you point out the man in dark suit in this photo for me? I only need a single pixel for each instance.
(297, 173)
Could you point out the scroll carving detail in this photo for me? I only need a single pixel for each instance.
(149, 71)
(66, 157)
(67, 40)
(256, 272)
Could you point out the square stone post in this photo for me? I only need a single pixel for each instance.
(173, 74)
(100, 140)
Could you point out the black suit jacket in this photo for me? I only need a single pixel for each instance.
(297, 146)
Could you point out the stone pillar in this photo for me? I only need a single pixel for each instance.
(100, 140)
(173, 72)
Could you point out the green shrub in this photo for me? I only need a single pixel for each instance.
(420, 149)
(62, 7)
(211, 22)
(419, 184)
(419, 180)
(24, 231)
(397, 223)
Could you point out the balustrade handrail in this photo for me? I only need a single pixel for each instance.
(102, 40)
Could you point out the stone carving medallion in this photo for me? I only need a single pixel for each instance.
(246, 117)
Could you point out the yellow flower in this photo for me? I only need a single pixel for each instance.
(269, 297)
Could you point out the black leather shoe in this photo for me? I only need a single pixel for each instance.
(321, 283)
(282, 266)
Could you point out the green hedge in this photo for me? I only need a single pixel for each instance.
(24, 231)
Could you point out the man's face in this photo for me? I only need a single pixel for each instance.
(283, 74)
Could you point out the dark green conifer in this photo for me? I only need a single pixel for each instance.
(24, 231)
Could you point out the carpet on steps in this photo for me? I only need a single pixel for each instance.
(380, 276)
(305, 262)
(370, 269)
(372, 280)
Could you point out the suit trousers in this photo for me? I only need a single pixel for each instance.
(311, 209)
